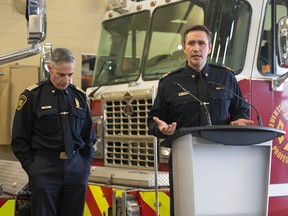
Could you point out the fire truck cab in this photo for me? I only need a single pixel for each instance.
(140, 42)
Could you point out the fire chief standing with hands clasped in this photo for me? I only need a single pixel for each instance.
(53, 139)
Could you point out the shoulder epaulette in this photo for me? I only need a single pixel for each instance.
(171, 72)
(78, 88)
(222, 66)
(35, 86)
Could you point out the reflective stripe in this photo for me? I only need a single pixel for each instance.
(118, 192)
(8, 208)
(91, 204)
(97, 203)
(86, 210)
(100, 199)
(164, 201)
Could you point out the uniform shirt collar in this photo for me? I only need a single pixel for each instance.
(51, 87)
(194, 73)
(54, 89)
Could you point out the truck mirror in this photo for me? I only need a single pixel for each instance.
(36, 31)
(282, 38)
(36, 21)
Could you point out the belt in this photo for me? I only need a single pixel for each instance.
(51, 153)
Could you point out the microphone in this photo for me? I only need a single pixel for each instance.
(202, 103)
(259, 120)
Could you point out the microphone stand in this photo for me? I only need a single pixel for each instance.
(202, 103)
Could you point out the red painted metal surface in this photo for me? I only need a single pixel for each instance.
(273, 108)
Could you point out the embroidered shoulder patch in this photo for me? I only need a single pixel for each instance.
(21, 101)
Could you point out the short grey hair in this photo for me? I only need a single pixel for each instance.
(61, 55)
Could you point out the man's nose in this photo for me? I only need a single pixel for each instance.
(196, 46)
(67, 78)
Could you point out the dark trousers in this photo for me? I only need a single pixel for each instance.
(58, 187)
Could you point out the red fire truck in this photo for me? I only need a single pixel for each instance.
(141, 41)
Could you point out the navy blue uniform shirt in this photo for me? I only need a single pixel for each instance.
(37, 124)
(173, 104)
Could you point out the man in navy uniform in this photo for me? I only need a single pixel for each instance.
(175, 108)
(53, 139)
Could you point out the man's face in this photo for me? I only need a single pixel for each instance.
(196, 49)
(61, 74)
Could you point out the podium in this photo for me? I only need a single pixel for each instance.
(221, 170)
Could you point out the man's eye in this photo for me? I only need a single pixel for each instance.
(202, 43)
(192, 43)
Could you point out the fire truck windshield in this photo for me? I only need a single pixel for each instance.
(148, 43)
(229, 27)
(120, 50)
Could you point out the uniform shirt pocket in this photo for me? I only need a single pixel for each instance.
(185, 111)
(221, 95)
(181, 104)
(49, 121)
(220, 103)
(78, 117)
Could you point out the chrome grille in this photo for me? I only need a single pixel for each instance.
(127, 143)
(117, 123)
(129, 154)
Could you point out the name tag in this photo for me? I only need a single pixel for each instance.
(46, 107)
(180, 94)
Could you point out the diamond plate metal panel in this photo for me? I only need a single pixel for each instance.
(12, 177)
(128, 177)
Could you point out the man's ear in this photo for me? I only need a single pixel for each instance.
(210, 48)
(183, 47)
(49, 67)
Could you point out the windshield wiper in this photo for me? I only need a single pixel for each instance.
(108, 81)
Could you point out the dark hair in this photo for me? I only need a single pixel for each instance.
(197, 28)
(61, 55)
